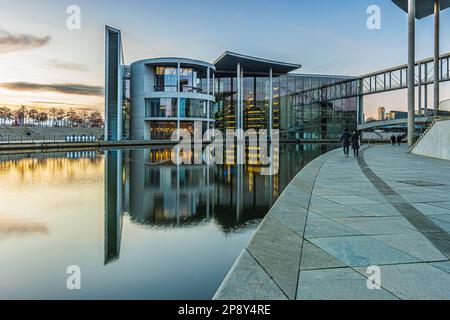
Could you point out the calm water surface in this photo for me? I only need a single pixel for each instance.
(138, 226)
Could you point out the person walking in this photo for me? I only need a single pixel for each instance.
(356, 144)
(393, 140)
(345, 140)
(399, 139)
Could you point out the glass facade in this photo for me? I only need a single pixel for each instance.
(178, 98)
(163, 130)
(193, 108)
(191, 80)
(295, 118)
(161, 108)
(166, 79)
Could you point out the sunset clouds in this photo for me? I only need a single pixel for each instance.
(66, 88)
(11, 43)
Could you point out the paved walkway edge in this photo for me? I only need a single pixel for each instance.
(268, 267)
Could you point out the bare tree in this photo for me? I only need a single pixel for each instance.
(33, 115)
(71, 117)
(5, 115)
(60, 116)
(84, 118)
(42, 117)
(52, 114)
(96, 120)
(20, 115)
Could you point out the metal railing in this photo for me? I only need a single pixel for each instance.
(172, 88)
(45, 140)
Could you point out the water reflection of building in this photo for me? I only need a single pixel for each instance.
(145, 185)
(167, 194)
(113, 204)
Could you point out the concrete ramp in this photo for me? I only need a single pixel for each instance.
(435, 143)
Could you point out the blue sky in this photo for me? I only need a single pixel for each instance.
(325, 36)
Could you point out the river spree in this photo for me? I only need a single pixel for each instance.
(137, 226)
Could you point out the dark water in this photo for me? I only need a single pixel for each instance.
(138, 226)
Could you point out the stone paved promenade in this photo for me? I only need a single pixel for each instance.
(338, 217)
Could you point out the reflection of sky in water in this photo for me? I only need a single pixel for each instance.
(150, 230)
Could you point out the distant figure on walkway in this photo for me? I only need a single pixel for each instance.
(399, 139)
(345, 140)
(356, 144)
(393, 140)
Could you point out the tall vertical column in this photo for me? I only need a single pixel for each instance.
(420, 90)
(242, 102)
(178, 100)
(437, 10)
(270, 104)
(208, 103)
(411, 69)
(238, 98)
(361, 102)
(208, 80)
(425, 90)
(213, 84)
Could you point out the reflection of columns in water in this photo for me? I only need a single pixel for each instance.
(167, 193)
(178, 192)
(113, 205)
(137, 184)
(208, 194)
(239, 180)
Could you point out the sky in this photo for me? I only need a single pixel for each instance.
(44, 64)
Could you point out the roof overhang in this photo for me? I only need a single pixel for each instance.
(229, 60)
(424, 8)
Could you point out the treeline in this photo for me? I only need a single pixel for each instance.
(53, 117)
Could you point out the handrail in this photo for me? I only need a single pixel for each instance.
(54, 139)
(183, 88)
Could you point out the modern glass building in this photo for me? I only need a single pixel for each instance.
(167, 94)
(157, 96)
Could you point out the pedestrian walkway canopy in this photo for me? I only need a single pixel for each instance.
(424, 8)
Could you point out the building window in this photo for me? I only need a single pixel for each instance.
(166, 79)
(193, 108)
(190, 80)
(162, 130)
(161, 108)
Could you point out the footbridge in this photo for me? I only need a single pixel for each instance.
(387, 80)
(395, 123)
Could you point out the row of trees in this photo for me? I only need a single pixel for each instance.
(53, 117)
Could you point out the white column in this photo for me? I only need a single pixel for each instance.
(208, 103)
(361, 117)
(208, 79)
(420, 90)
(411, 69)
(270, 103)
(238, 87)
(178, 100)
(437, 12)
(425, 89)
(242, 102)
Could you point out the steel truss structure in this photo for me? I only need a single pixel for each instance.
(377, 82)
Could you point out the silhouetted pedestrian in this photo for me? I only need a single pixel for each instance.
(393, 140)
(345, 140)
(356, 144)
(399, 140)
